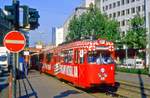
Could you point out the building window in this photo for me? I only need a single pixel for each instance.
(122, 2)
(114, 15)
(114, 5)
(103, 8)
(119, 23)
(138, 9)
(123, 23)
(132, 10)
(127, 22)
(123, 33)
(110, 6)
(127, 11)
(118, 13)
(106, 7)
(122, 12)
(110, 15)
(118, 3)
(127, 1)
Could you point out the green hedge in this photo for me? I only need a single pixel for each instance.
(131, 70)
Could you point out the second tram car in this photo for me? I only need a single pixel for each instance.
(84, 63)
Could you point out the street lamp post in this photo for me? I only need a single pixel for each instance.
(148, 37)
(149, 43)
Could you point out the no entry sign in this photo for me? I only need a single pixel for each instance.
(14, 41)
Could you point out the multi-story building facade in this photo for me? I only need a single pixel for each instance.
(77, 12)
(123, 11)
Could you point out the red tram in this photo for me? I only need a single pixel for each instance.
(84, 63)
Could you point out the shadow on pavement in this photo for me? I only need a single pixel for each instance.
(104, 88)
(66, 93)
(3, 86)
(143, 95)
(29, 95)
(26, 85)
(3, 81)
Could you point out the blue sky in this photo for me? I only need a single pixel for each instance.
(53, 13)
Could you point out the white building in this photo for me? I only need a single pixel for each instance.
(123, 11)
(59, 36)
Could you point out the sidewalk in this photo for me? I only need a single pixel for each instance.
(137, 79)
(47, 87)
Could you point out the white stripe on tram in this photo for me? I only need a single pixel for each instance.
(14, 41)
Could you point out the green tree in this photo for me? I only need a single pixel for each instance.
(93, 21)
(136, 35)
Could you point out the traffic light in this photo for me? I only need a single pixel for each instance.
(33, 18)
(30, 17)
(13, 14)
(25, 16)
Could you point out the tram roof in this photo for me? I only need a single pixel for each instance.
(84, 44)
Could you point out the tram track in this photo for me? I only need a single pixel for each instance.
(123, 90)
(100, 92)
(108, 94)
(120, 90)
(134, 89)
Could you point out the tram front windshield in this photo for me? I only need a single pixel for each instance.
(99, 57)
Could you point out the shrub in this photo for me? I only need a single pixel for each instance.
(132, 70)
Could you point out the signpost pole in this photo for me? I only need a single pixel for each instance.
(14, 75)
(15, 42)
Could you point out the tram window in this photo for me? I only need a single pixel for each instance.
(92, 55)
(99, 57)
(68, 54)
(104, 58)
(49, 57)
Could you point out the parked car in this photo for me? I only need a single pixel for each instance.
(4, 59)
(139, 64)
(133, 63)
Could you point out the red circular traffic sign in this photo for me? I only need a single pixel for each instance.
(14, 41)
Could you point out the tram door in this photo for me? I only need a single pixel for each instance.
(76, 65)
(80, 62)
